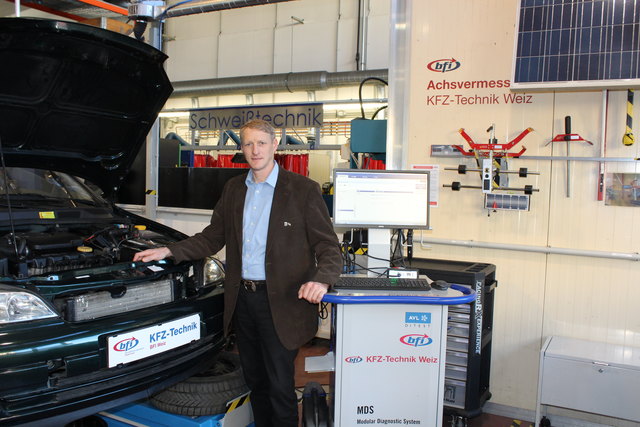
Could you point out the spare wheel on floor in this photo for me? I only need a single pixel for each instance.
(206, 393)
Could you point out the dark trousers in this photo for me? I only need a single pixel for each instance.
(268, 366)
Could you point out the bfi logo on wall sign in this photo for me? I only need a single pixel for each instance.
(443, 65)
(416, 340)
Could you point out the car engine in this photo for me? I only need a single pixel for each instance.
(37, 251)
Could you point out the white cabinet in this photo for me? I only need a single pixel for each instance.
(589, 376)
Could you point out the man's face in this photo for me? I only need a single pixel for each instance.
(258, 148)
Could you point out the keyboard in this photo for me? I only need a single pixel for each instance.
(381, 284)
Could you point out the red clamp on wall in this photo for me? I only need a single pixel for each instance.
(497, 150)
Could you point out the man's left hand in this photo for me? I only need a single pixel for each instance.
(313, 291)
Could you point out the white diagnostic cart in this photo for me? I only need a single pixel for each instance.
(389, 356)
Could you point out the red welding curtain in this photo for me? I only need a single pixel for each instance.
(370, 163)
(224, 161)
(298, 163)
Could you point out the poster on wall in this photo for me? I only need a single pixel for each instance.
(434, 182)
(623, 189)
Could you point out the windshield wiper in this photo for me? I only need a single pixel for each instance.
(29, 199)
(86, 202)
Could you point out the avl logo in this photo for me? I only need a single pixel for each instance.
(126, 345)
(353, 359)
(417, 317)
(443, 65)
(416, 340)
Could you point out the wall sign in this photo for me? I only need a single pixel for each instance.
(292, 116)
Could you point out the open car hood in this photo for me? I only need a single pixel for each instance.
(76, 98)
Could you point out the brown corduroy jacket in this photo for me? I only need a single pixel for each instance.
(301, 247)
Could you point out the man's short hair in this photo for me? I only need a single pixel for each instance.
(261, 125)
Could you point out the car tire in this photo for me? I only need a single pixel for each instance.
(315, 411)
(206, 393)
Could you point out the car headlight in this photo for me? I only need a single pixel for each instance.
(22, 306)
(213, 270)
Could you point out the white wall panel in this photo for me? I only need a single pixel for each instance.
(378, 35)
(538, 295)
(192, 59)
(266, 39)
(312, 11)
(378, 42)
(248, 19)
(192, 46)
(346, 44)
(310, 46)
(246, 53)
(305, 47)
(192, 26)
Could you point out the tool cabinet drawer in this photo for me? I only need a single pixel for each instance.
(459, 317)
(454, 393)
(457, 344)
(460, 308)
(455, 372)
(458, 329)
(457, 358)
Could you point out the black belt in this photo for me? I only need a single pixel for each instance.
(252, 285)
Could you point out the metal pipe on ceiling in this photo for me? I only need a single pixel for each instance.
(363, 27)
(285, 82)
(195, 7)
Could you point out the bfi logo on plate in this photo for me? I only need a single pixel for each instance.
(443, 65)
(126, 344)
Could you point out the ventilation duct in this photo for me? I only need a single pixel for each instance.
(286, 82)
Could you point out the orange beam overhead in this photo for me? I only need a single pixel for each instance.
(107, 6)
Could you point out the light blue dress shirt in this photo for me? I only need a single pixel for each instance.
(255, 224)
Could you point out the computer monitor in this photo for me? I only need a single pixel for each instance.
(381, 198)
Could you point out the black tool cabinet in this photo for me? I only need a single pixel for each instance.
(469, 328)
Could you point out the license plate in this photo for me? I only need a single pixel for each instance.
(145, 342)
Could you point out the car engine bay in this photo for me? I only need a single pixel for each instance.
(40, 250)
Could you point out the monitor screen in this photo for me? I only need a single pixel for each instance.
(381, 198)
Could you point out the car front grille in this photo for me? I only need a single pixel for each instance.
(105, 303)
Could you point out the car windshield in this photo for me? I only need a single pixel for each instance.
(26, 186)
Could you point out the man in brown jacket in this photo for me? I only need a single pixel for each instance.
(282, 255)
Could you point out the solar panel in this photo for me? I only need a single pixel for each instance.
(577, 43)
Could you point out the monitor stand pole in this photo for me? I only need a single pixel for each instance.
(379, 251)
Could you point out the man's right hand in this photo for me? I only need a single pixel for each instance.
(155, 254)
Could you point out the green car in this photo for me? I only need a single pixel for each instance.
(82, 327)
